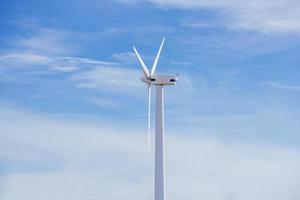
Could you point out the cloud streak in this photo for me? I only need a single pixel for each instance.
(83, 72)
(48, 41)
(282, 86)
(261, 16)
(127, 57)
(108, 78)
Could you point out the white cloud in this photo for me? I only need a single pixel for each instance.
(87, 73)
(45, 63)
(84, 72)
(106, 161)
(127, 57)
(82, 60)
(111, 31)
(197, 24)
(23, 60)
(282, 86)
(180, 63)
(105, 103)
(109, 78)
(262, 16)
(48, 41)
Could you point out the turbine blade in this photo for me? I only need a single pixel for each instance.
(149, 117)
(156, 58)
(144, 67)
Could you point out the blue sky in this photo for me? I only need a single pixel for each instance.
(73, 110)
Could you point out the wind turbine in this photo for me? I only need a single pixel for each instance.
(151, 78)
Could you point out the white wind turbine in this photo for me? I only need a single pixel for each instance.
(159, 81)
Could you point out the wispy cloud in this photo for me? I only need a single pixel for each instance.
(42, 62)
(194, 23)
(12, 60)
(105, 102)
(127, 57)
(180, 63)
(48, 41)
(82, 72)
(108, 78)
(282, 86)
(262, 16)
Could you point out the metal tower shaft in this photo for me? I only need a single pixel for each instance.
(159, 187)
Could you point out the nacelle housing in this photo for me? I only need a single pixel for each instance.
(161, 79)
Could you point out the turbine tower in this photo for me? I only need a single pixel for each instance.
(151, 78)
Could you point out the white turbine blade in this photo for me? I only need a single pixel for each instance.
(144, 67)
(149, 117)
(156, 58)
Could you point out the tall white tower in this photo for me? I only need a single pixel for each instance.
(159, 81)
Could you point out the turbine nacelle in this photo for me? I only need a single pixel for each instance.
(161, 80)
